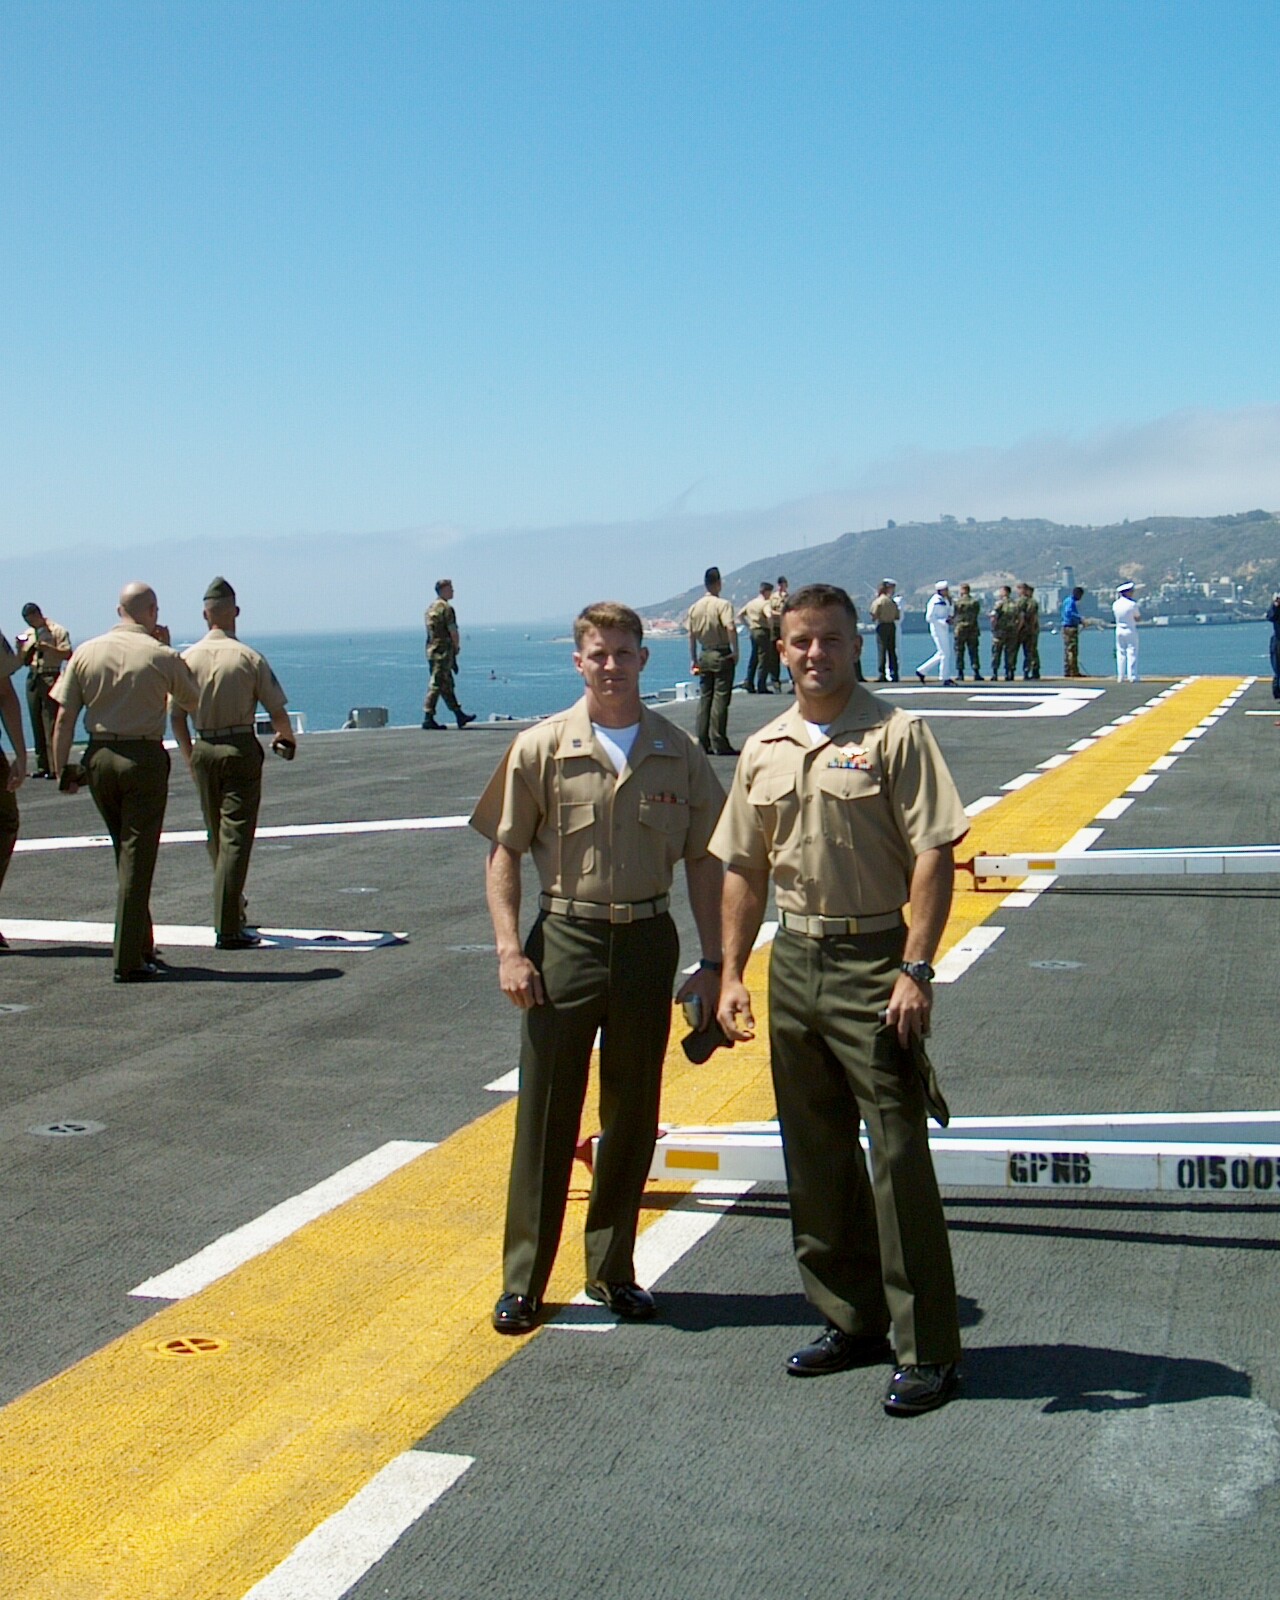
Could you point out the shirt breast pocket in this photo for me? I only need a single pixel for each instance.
(666, 827)
(847, 795)
(577, 841)
(774, 797)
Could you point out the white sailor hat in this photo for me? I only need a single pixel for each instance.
(939, 587)
(1126, 586)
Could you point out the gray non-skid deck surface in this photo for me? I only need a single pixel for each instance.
(1118, 1433)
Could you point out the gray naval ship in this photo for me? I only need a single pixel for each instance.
(252, 1214)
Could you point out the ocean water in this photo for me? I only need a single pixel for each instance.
(511, 672)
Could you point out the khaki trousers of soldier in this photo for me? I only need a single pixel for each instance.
(228, 774)
(715, 679)
(8, 817)
(871, 1253)
(129, 782)
(617, 979)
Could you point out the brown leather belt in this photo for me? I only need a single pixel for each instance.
(594, 911)
(833, 927)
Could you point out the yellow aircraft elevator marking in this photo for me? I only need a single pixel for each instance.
(131, 1478)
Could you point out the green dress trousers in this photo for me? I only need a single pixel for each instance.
(228, 774)
(129, 782)
(617, 978)
(872, 1253)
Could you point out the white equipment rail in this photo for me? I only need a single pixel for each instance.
(1216, 1155)
(1209, 860)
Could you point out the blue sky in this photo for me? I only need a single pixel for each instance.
(281, 269)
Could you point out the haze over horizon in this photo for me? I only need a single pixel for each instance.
(573, 300)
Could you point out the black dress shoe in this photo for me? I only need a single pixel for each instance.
(626, 1300)
(146, 973)
(515, 1313)
(834, 1350)
(727, 751)
(239, 941)
(913, 1390)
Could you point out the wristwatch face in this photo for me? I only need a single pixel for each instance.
(921, 971)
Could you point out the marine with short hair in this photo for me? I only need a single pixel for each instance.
(12, 773)
(225, 757)
(606, 797)
(1004, 634)
(967, 610)
(44, 650)
(713, 652)
(444, 645)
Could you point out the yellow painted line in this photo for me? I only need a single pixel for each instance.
(308, 1369)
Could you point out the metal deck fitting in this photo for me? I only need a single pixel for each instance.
(1191, 861)
(1216, 1155)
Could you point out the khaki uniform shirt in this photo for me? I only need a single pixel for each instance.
(711, 623)
(45, 666)
(122, 680)
(756, 614)
(840, 822)
(233, 680)
(776, 602)
(884, 608)
(596, 834)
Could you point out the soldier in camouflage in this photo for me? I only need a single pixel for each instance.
(967, 609)
(1028, 630)
(1003, 634)
(443, 645)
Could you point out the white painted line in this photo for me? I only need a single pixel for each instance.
(508, 1083)
(179, 935)
(1059, 760)
(975, 808)
(1195, 733)
(1080, 841)
(1115, 808)
(658, 1249)
(1142, 784)
(1021, 781)
(333, 1558)
(233, 1249)
(1247, 714)
(1032, 888)
(1163, 763)
(1082, 744)
(1180, 746)
(962, 956)
(297, 830)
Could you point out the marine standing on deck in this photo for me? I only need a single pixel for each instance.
(607, 796)
(966, 632)
(755, 614)
(45, 648)
(886, 614)
(123, 681)
(1028, 635)
(1004, 634)
(848, 803)
(12, 772)
(444, 645)
(713, 653)
(777, 600)
(1273, 617)
(225, 758)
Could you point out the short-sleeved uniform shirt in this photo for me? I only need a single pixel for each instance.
(594, 833)
(234, 680)
(122, 680)
(756, 614)
(711, 623)
(840, 822)
(884, 608)
(46, 667)
(442, 623)
(10, 659)
(776, 602)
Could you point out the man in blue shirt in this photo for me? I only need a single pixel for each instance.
(1072, 622)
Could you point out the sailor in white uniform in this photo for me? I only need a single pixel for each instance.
(940, 616)
(1127, 618)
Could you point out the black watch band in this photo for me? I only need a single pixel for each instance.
(921, 971)
(710, 966)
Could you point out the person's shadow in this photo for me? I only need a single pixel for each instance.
(1082, 1377)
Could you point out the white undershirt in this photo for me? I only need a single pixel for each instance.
(818, 731)
(617, 742)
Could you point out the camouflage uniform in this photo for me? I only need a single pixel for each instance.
(442, 623)
(966, 635)
(1029, 634)
(1004, 638)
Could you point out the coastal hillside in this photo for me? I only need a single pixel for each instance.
(1158, 553)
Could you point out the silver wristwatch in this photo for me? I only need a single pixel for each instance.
(921, 971)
